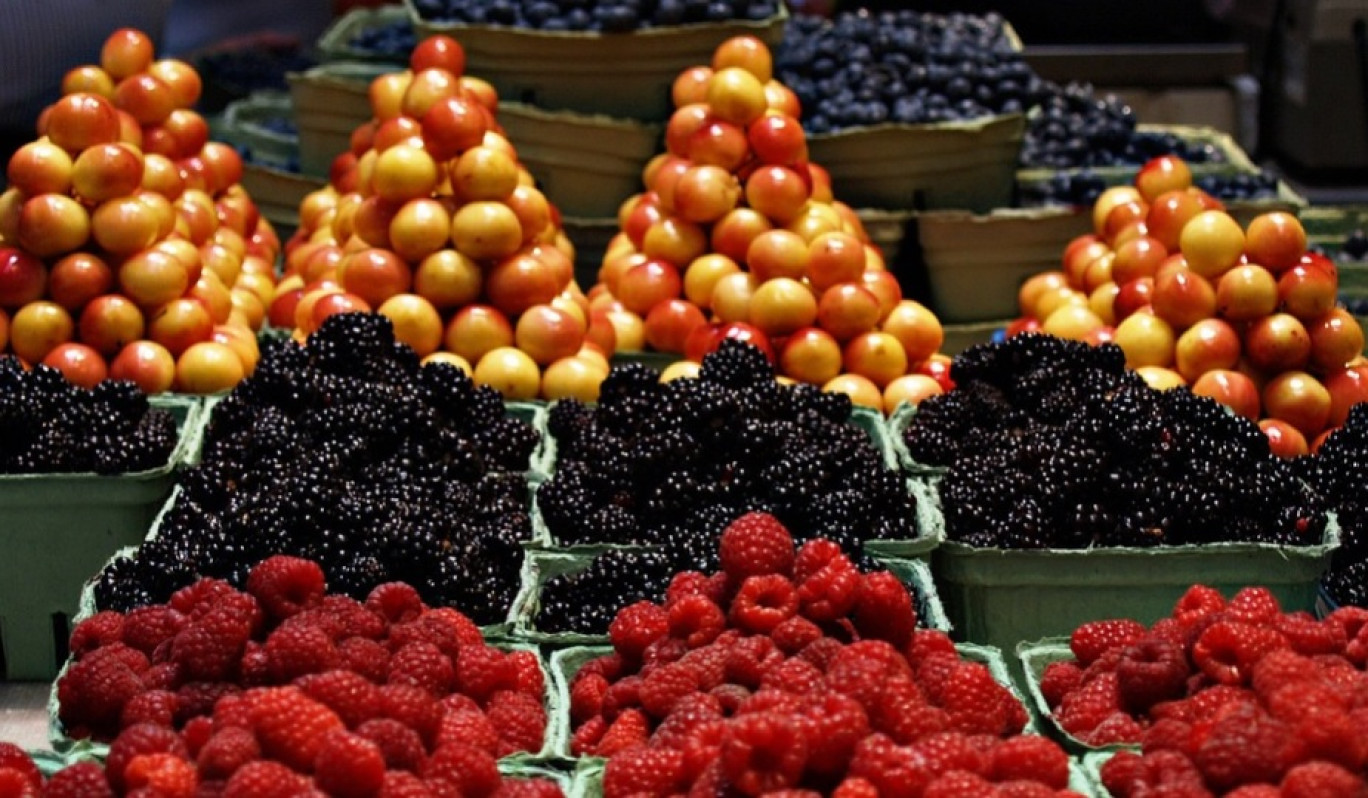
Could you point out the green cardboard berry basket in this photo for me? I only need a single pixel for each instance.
(566, 662)
(541, 566)
(1092, 768)
(1035, 657)
(898, 423)
(243, 125)
(59, 528)
(337, 43)
(1003, 597)
(625, 75)
(524, 769)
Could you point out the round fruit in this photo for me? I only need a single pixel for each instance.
(416, 322)
(510, 371)
(208, 367)
(1212, 243)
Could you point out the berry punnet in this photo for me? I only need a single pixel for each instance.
(790, 670)
(674, 463)
(1053, 443)
(49, 425)
(348, 452)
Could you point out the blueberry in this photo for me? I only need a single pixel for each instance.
(669, 12)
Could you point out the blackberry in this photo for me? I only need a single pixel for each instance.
(348, 452)
(586, 601)
(1051, 443)
(1338, 473)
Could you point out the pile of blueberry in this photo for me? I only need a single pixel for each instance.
(1054, 444)
(1083, 187)
(48, 425)
(394, 39)
(350, 453)
(902, 67)
(607, 16)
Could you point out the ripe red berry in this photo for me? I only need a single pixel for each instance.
(286, 585)
(756, 544)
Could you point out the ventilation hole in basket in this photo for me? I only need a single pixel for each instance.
(61, 635)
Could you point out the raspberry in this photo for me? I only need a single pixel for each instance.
(348, 766)
(195, 599)
(14, 758)
(227, 751)
(164, 775)
(1227, 651)
(1208, 703)
(1094, 701)
(1029, 789)
(93, 691)
(14, 783)
(368, 658)
(289, 725)
(135, 741)
(1198, 602)
(771, 701)
(762, 603)
(1254, 791)
(528, 677)
(1302, 699)
(396, 602)
(81, 780)
(232, 711)
(762, 752)
(1308, 636)
(586, 737)
(153, 706)
(1030, 758)
(413, 707)
(210, 647)
(1245, 746)
(836, 724)
(958, 784)
(529, 788)
(586, 696)
(795, 634)
(1281, 667)
(265, 779)
(145, 628)
(423, 665)
(695, 619)
(885, 610)
(730, 697)
(100, 629)
(636, 626)
(977, 704)
(860, 677)
(905, 716)
(828, 583)
(520, 720)
(933, 670)
(1169, 734)
(926, 642)
(1321, 780)
(1123, 773)
(821, 652)
(895, 771)
(163, 676)
(686, 583)
(1091, 640)
(286, 585)
(855, 788)
(629, 730)
(794, 676)
(949, 751)
(400, 746)
(1151, 671)
(709, 665)
(351, 617)
(402, 784)
(663, 652)
(688, 713)
(748, 660)
(1253, 605)
(482, 671)
(1350, 619)
(352, 697)
(663, 687)
(295, 650)
(623, 694)
(472, 771)
(254, 669)
(194, 699)
(644, 771)
(1058, 680)
(1118, 727)
(756, 544)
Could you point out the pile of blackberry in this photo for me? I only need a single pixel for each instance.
(1338, 471)
(1082, 188)
(674, 463)
(608, 16)
(902, 67)
(349, 453)
(1053, 444)
(49, 426)
(586, 601)
(1073, 128)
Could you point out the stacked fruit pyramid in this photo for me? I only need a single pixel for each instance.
(127, 247)
(738, 235)
(431, 221)
(1245, 315)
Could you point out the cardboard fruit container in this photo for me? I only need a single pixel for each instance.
(58, 529)
(331, 101)
(1035, 657)
(337, 43)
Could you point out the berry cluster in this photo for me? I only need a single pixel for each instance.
(1072, 127)
(1082, 188)
(791, 670)
(49, 425)
(903, 67)
(1339, 473)
(673, 463)
(1129, 683)
(313, 682)
(585, 601)
(1053, 443)
(349, 453)
(608, 16)
(1355, 247)
(395, 39)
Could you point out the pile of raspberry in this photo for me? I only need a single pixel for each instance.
(794, 671)
(284, 683)
(1225, 698)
